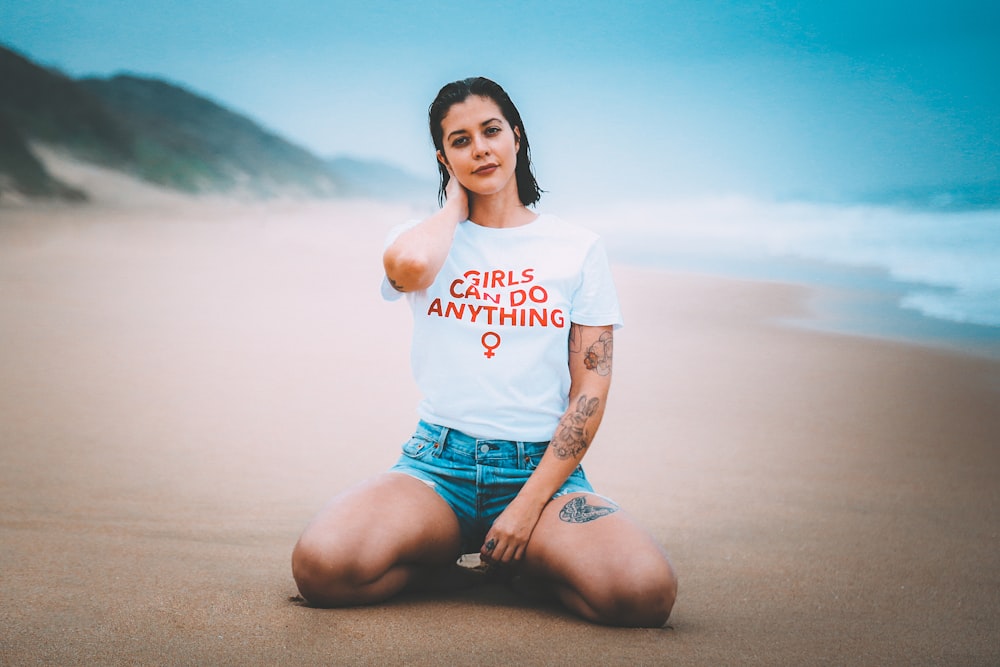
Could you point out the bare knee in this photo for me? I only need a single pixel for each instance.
(327, 576)
(313, 572)
(647, 598)
(365, 545)
(635, 595)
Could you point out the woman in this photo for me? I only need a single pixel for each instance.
(514, 314)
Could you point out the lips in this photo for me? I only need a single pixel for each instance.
(486, 169)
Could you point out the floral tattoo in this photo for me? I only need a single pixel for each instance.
(571, 437)
(597, 357)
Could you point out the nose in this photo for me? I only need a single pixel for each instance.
(480, 146)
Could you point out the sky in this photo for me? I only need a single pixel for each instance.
(630, 100)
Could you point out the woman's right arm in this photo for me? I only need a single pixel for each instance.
(413, 260)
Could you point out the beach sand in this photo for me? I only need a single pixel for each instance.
(182, 386)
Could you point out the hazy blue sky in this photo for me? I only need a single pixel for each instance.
(771, 98)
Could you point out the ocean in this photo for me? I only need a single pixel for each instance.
(924, 276)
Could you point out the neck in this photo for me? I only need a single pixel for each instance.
(503, 209)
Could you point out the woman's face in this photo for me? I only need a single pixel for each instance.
(480, 146)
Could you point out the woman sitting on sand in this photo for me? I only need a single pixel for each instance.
(514, 315)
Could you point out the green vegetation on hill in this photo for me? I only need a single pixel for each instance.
(148, 128)
(167, 135)
(47, 106)
(193, 144)
(20, 170)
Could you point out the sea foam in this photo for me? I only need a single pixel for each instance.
(944, 265)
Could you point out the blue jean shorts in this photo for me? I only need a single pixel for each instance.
(476, 477)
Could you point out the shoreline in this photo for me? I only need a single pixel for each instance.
(863, 302)
(918, 276)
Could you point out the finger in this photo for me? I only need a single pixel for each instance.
(504, 554)
(497, 552)
(488, 549)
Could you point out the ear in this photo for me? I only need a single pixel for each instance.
(517, 138)
(442, 159)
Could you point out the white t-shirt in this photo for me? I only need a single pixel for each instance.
(490, 336)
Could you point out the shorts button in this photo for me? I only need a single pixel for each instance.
(485, 449)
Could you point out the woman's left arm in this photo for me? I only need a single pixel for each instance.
(590, 355)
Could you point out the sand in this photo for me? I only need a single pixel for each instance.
(183, 385)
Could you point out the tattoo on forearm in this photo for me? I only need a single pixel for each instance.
(571, 436)
(396, 286)
(598, 356)
(578, 511)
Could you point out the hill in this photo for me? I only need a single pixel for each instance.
(22, 172)
(43, 105)
(378, 180)
(154, 130)
(190, 143)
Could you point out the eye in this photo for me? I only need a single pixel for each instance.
(459, 142)
(493, 130)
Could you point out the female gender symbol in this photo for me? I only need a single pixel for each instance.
(489, 353)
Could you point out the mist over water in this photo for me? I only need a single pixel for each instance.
(921, 275)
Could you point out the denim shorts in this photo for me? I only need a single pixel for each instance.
(477, 477)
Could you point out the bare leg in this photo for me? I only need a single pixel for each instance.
(368, 542)
(602, 565)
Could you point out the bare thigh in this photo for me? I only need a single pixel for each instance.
(366, 544)
(603, 565)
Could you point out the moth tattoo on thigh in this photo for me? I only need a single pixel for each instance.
(578, 511)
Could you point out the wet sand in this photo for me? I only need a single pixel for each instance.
(183, 385)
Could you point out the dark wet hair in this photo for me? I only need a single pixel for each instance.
(456, 92)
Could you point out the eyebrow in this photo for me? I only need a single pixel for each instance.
(483, 124)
